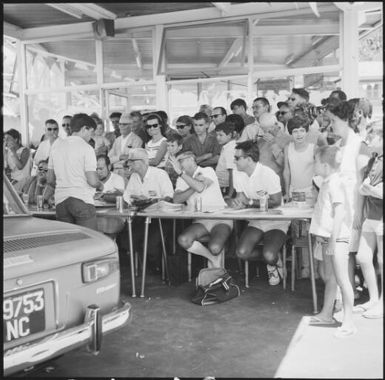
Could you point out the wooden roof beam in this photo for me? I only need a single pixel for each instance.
(138, 55)
(234, 51)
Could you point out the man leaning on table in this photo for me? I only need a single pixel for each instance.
(147, 182)
(72, 171)
(250, 180)
(195, 182)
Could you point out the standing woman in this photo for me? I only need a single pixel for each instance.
(157, 146)
(17, 159)
(355, 156)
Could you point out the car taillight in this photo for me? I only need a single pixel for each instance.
(96, 270)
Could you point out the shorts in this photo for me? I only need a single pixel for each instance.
(376, 226)
(210, 223)
(321, 247)
(268, 225)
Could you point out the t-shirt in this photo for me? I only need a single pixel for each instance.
(155, 184)
(210, 145)
(152, 149)
(70, 159)
(225, 162)
(114, 183)
(265, 179)
(250, 132)
(333, 190)
(212, 198)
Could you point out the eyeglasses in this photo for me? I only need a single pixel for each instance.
(65, 125)
(237, 158)
(282, 112)
(152, 126)
(52, 129)
(180, 126)
(292, 99)
(215, 116)
(41, 169)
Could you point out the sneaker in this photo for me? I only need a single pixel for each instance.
(275, 273)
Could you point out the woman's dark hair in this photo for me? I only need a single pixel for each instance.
(238, 122)
(155, 116)
(16, 135)
(250, 149)
(163, 115)
(342, 110)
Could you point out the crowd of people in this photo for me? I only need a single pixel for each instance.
(330, 153)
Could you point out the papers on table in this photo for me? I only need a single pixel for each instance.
(246, 211)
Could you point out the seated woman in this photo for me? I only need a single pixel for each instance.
(102, 144)
(17, 159)
(157, 146)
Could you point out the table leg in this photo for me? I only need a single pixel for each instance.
(146, 224)
(164, 253)
(173, 236)
(312, 275)
(131, 256)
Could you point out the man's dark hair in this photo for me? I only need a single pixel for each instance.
(340, 94)
(200, 116)
(105, 158)
(81, 120)
(238, 122)
(264, 101)
(185, 119)
(342, 110)
(223, 111)
(238, 103)
(298, 122)
(51, 121)
(67, 117)
(115, 114)
(301, 92)
(137, 114)
(227, 127)
(173, 136)
(250, 149)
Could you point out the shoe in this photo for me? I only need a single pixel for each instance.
(343, 332)
(375, 312)
(275, 273)
(316, 321)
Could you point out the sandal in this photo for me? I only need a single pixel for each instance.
(373, 314)
(316, 321)
(345, 332)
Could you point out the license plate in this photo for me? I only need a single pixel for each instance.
(23, 314)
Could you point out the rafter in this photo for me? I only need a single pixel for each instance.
(87, 9)
(223, 7)
(138, 55)
(233, 51)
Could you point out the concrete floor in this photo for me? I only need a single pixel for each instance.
(170, 336)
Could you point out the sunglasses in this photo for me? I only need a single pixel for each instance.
(215, 116)
(65, 125)
(292, 99)
(152, 126)
(180, 126)
(282, 112)
(52, 129)
(237, 158)
(42, 170)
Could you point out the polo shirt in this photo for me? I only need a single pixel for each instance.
(156, 184)
(122, 145)
(212, 198)
(225, 162)
(210, 145)
(114, 183)
(263, 178)
(70, 159)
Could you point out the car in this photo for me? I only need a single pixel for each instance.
(61, 287)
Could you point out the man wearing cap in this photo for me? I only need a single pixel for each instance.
(260, 106)
(122, 145)
(196, 183)
(147, 182)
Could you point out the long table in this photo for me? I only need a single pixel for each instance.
(285, 213)
(102, 210)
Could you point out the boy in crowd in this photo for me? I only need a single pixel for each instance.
(373, 226)
(174, 145)
(226, 165)
(239, 107)
(331, 224)
(239, 124)
(204, 145)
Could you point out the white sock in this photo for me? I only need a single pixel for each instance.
(199, 249)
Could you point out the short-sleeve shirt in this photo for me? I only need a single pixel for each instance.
(262, 179)
(70, 159)
(333, 191)
(114, 183)
(226, 162)
(156, 184)
(212, 198)
(250, 132)
(210, 145)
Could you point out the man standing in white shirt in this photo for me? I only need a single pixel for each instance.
(251, 181)
(124, 143)
(196, 182)
(72, 171)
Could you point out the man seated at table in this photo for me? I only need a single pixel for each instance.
(250, 180)
(147, 182)
(195, 182)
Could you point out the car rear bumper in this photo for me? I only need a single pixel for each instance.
(89, 333)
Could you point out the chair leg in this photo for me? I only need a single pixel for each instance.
(284, 271)
(246, 273)
(136, 264)
(223, 254)
(189, 266)
(292, 267)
